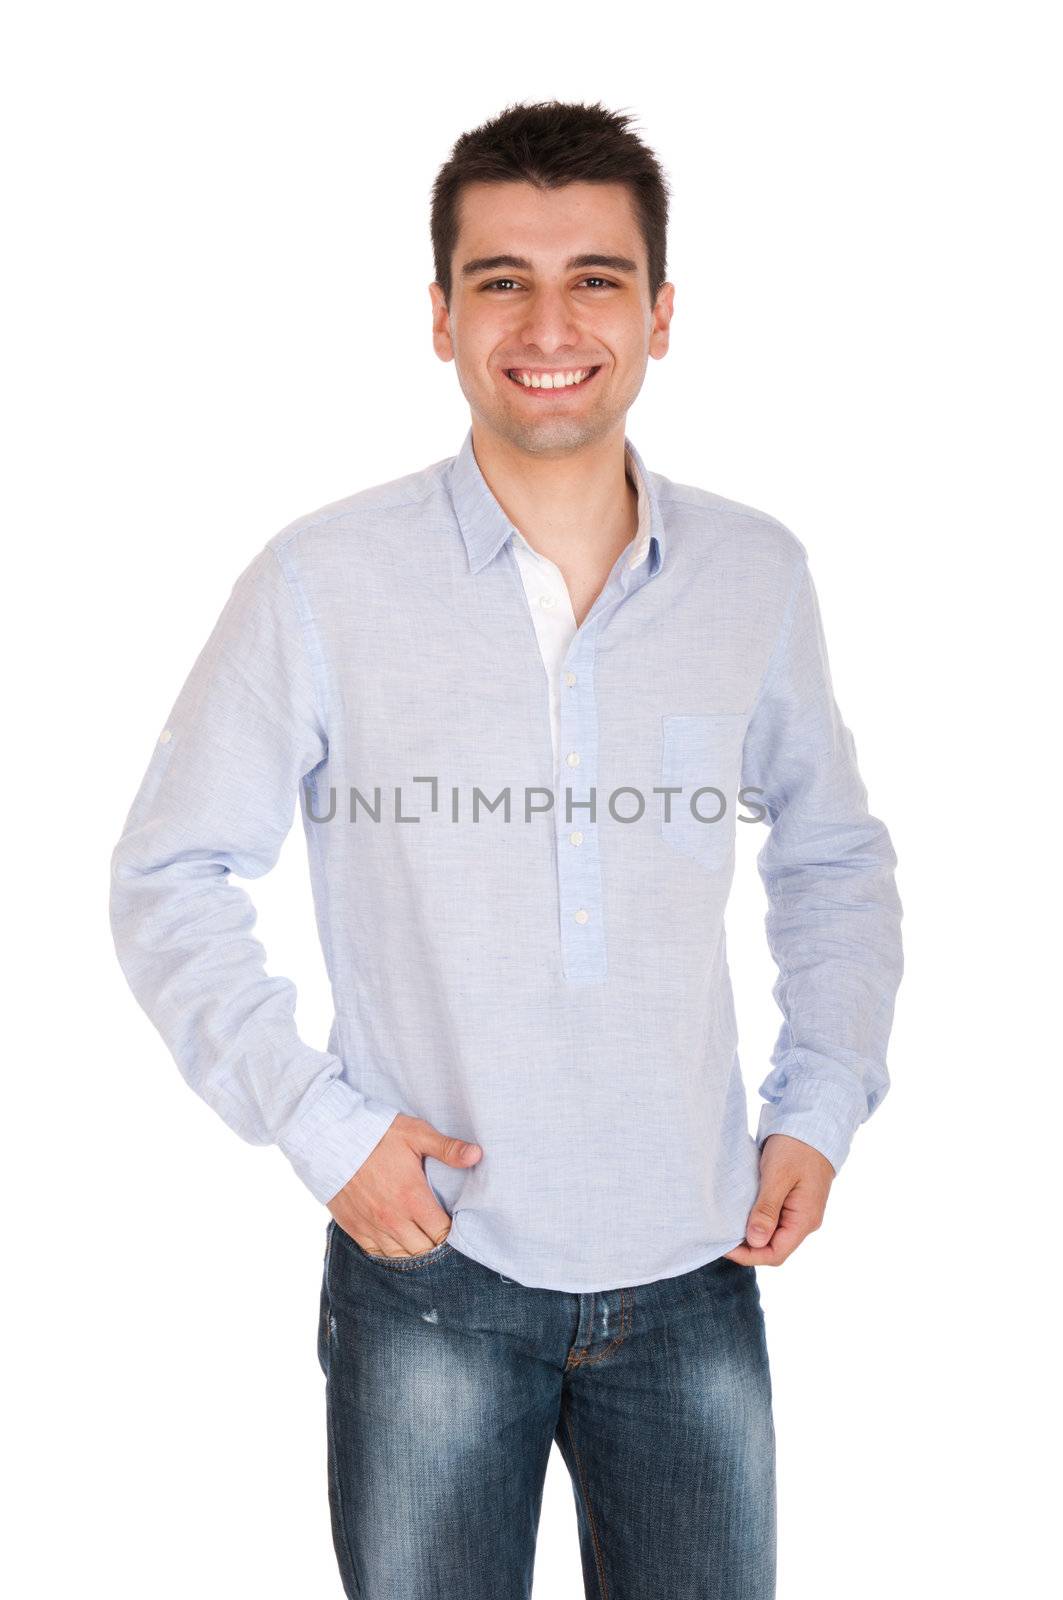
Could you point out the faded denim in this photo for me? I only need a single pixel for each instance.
(447, 1384)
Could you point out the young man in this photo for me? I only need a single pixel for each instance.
(520, 692)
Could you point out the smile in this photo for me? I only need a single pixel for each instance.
(550, 382)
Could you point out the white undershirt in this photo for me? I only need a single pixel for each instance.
(551, 604)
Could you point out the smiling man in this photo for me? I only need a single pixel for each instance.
(525, 695)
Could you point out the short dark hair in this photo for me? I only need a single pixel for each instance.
(551, 143)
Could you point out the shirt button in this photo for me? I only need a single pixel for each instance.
(575, 838)
(546, 599)
(165, 736)
(573, 758)
(583, 916)
(570, 678)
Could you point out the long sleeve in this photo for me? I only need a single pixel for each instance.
(833, 919)
(218, 797)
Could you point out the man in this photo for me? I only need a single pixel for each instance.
(525, 694)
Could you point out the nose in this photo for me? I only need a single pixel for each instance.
(548, 324)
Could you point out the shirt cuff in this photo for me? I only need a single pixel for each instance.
(334, 1138)
(820, 1111)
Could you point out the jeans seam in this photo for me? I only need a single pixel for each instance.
(340, 1504)
(599, 1559)
(330, 1411)
(584, 1360)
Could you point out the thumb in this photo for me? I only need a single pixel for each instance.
(455, 1152)
(764, 1217)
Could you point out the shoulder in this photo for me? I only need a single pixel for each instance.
(714, 520)
(397, 503)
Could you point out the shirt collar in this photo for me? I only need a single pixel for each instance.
(485, 526)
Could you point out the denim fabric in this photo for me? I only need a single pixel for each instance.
(447, 1383)
(544, 973)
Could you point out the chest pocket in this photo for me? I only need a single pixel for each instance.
(702, 753)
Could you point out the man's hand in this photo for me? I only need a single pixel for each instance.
(795, 1180)
(388, 1206)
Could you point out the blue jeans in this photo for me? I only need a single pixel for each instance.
(446, 1385)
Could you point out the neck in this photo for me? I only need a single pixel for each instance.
(570, 505)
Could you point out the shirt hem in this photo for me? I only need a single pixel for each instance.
(456, 1240)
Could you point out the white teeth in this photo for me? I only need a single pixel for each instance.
(551, 380)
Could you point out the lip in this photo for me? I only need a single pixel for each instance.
(550, 394)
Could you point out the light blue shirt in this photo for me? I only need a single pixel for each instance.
(552, 984)
(550, 604)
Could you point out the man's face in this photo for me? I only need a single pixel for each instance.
(543, 310)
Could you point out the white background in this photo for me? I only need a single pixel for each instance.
(218, 318)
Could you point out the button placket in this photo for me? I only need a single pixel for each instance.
(583, 947)
(583, 951)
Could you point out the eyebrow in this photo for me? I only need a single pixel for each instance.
(522, 264)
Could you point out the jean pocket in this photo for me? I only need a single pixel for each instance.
(701, 756)
(403, 1263)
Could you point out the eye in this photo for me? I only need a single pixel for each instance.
(606, 283)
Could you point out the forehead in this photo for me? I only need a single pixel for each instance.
(546, 225)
